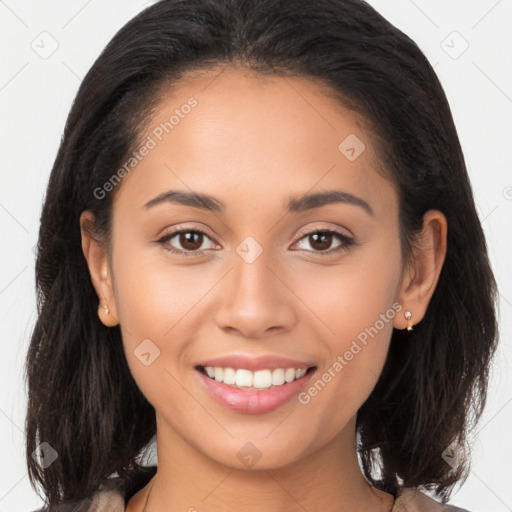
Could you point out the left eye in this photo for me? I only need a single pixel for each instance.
(321, 240)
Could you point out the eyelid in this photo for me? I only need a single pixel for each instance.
(314, 229)
(183, 228)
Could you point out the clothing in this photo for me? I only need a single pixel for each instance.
(110, 499)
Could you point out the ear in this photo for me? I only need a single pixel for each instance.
(421, 274)
(96, 255)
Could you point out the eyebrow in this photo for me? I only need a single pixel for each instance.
(295, 205)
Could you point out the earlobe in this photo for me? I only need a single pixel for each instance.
(95, 253)
(422, 274)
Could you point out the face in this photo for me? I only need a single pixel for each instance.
(257, 274)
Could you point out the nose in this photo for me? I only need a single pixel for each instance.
(255, 301)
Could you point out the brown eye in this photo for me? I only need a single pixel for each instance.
(191, 240)
(321, 242)
(187, 242)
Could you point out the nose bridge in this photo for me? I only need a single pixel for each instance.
(251, 272)
(254, 300)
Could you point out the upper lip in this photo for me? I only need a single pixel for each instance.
(270, 362)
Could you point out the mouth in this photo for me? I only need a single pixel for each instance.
(254, 392)
(258, 380)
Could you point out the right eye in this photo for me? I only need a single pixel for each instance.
(191, 241)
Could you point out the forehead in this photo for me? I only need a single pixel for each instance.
(233, 130)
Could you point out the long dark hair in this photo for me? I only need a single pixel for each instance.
(82, 399)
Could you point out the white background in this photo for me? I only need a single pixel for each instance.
(36, 95)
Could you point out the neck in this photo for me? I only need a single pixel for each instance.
(328, 479)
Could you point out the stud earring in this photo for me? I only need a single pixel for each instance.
(408, 316)
(106, 309)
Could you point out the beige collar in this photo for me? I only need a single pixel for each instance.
(410, 500)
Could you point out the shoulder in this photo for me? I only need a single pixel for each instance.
(411, 500)
(108, 498)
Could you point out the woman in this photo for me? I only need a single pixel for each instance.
(258, 244)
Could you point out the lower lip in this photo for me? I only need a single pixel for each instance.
(251, 401)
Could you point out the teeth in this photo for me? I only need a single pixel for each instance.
(218, 374)
(261, 379)
(289, 375)
(300, 373)
(278, 377)
(243, 377)
(229, 376)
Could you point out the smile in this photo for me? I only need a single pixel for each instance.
(253, 392)
(261, 379)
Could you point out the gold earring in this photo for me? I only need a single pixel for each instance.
(408, 316)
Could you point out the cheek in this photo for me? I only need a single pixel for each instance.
(356, 308)
(154, 301)
(350, 298)
(153, 295)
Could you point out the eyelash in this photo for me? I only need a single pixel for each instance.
(347, 241)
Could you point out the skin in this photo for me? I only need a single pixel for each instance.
(253, 143)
